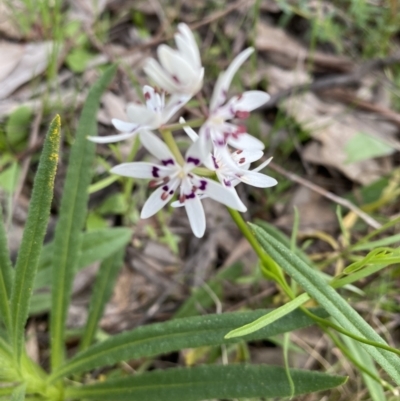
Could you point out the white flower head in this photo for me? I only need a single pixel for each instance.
(178, 71)
(151, 115)
(217, 131)
(169, 176)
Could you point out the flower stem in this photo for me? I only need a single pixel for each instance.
(173, 147)
(269, 266)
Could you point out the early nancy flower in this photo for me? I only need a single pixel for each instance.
(169, 176)
(152, 115)
(217, 130)
(178, 71)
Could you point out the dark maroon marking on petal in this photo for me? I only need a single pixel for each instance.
(241, 129)
(238, 152)
(164, 195)
(242, 160)
(168, 161)
(175, 78)
(242, 114)
(147, 95)
(182, 198)
(203, 185)
(227, 183)
(190, 175)
(220, 142)
(155, 171)
(165, 180)
(194, 188)
(215, 162)
(165, 188)
(171, 192)
(190, 196)
(193, 160)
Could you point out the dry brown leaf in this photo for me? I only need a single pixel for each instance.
(332, 125)
(288, 52)
(8, 24)
(32, 62)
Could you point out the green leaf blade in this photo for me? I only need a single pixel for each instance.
(207, 382)
(6, 274)
(160, 338)
(35, 229)
(102, 291)
(73, 210)
(327, 297)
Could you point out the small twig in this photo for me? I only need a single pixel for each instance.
(332, 81)
(329, 195)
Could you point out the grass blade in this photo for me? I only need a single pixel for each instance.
(207, 382)
(72, 216)
(102, 291)
(6, 273)
(176, 334)
(32, 240)
(327, 297)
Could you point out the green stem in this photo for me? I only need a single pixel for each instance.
(173, 147)
(198, 122)
(270, 268)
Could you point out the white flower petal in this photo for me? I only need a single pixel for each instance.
(191, 133)
(226, 196)
(262, 165)
(197, 218)
(157, 74)
(125, 126)
(225, 79)
(258, 179)
(245, 141)
(179, 69)
(193, 156)
(111, 138)
(141, 115)
(249, 100)
(142, 170)
(158, 199)
(187, 45)
(157, 148)
(245, 157)
(175, 102)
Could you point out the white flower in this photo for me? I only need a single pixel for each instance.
(216, 130)
(152, 115)
(178, 71)
(169, 176)
(232, 168)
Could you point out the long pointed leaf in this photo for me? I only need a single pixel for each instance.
(207, 382)
(176, 334)
(72, 216)
(6, 273)
(327, 297)
(102, 291)
(35, 229)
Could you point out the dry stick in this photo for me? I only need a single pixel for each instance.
(33, 143)
(329, 195)
(332, 81)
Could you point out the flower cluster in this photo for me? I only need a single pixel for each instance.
(222, 145)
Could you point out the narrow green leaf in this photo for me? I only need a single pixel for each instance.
(269, 318)
(207, 382)
(67, 239)
(95, 245)
(6, 274)
(323, 293)
(102, 291)
(40, 303)
(19, 393)
(160, 338)
(35, 229)
(200, 298)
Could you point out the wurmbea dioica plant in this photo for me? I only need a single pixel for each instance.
(227, 151)
(180, 75)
